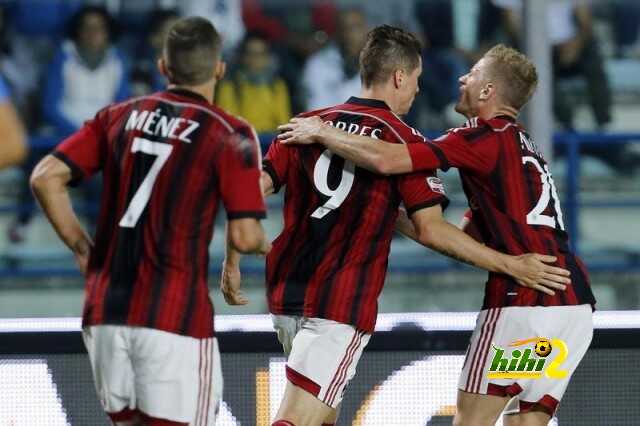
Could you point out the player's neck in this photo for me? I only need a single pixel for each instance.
(206, 90)
(492, 112)
(378, 93)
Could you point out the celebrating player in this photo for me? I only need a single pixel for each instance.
(327, 267)
(516, 209)
(166, 160)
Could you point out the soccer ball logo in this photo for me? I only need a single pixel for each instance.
(543, 348)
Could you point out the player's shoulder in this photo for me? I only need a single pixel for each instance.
(318, 111)
(478, 128)
(403, 132)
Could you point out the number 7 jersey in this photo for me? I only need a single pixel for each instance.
(167, 160)
(514, 204)
(330, 260)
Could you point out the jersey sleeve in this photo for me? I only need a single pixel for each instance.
(84, 151)
(473, 149)
(421, 190)
(239, 175)
(277, 162)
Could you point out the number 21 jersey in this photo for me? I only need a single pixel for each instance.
(167, 160)
(514, 204)
(330, 260)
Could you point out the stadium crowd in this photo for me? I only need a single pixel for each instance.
(63, 60)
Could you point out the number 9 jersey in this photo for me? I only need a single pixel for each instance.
(514, 203)
(331, 258)
(167, 160)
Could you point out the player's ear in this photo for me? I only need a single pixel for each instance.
(398, 78)
(221, 68)
(487, 91)
(162, 67)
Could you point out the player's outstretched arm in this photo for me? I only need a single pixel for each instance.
(372, 154)
(49, 184)
(230, 281)
(529, 270)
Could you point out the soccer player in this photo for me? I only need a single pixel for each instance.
(327, 267)
(515, 208)
(167, 159)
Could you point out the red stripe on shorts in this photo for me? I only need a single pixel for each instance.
(476, 353)
(345, 368)
(486, 351)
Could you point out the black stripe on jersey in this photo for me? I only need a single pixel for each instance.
(172, 199)
(563, 295)
(122, 268)
(476, 133)
(313, 250)
(341, 258)
(76, 172)
(580, 286)
(268, 169)
(444, 162)
(442, 200)
(203, 200)
(287, 255)
(363, 280)
(129, 244)
(246, 214)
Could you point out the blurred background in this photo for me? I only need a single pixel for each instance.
(63, 60)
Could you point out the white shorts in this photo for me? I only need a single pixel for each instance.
(322, 354)
(164, 375)
(504, 357)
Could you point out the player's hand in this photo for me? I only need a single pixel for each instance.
(82, 260)
(230, 286)
(302, 130)
(264, 249)
(81, 251)
(533, 270)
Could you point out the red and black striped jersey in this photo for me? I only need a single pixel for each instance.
(167, 159)
(331, 258)
(514, 203)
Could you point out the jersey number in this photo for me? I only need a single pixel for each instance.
(535, 216)
(162, 151)
(321, 178)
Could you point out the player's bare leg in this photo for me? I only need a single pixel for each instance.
(332, 418)
(537, 416)
(301, 408)
(478, 410)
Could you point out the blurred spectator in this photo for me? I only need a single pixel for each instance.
(296, 30)
(575, 53)
(226, 15)
(399, 13)
(254, 90)
(331, 75)
(442, 62)
(626, 27)
(30, 30)
(86, 74)
(145, 77)
(12, 145)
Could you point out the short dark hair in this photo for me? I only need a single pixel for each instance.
(386, 50)
(191, 50)
(74, 24)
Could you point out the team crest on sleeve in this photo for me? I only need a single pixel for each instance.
(436, 184)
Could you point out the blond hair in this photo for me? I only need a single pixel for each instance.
(516, 74)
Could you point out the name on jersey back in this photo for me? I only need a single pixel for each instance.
(154, 123)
